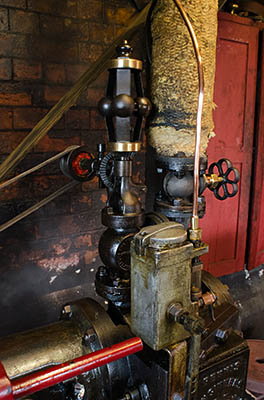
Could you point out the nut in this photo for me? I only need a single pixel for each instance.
(89, 337)
(174, 312)
(195, 235)
(221, 336)
(67, 311)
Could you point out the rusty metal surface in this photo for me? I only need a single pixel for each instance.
(177, 367)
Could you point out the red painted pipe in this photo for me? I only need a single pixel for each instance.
(51, 376)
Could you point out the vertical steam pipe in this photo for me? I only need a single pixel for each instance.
(195, 219)
(192, 372)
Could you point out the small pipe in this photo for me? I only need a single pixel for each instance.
(37, 167)
(35, 382)
(37, 206)
(199, 107)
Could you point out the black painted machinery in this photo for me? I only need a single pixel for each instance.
(151, 277)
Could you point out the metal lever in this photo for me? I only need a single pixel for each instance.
(223, 179)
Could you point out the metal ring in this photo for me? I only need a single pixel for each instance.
(125, 63)
(124, 146)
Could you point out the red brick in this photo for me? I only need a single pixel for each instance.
(27, 118)
(3, 19)
(47, 144)
(101, 81)
(15, 99)
(74, 72)
(78, 119)
(30, 255)
(92, 138)
(65, 8)
(92, 96)
(90, 256)
(13, 3)
(61, 246)
(101, 33)
(83, 241)
(52, 48)
(9, 141)
(85, 32)
(5, 69)
(11, 192)
(65, 225)
(59, 206)
(90, 185)
(55, 73)
(97, 120)
(59, 264)
(80, 202)
(47, 184)
(54, 94)
(24, 22)
(5, 118)
(91, 9)
(60, 125)
(118, 15)
(51, 25)
(13, 45)
(39, 5)
(90, 53)
(27, 70)
(75, 29)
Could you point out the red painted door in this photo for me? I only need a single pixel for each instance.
(226, 222)
(256, 221)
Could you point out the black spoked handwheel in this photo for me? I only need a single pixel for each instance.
(230, 175)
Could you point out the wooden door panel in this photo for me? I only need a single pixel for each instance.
(225, 223)
(256, 222)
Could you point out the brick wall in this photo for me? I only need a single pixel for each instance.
(50, 257)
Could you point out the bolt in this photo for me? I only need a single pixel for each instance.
(116, 281)
(177, 396)
(221, 336)
(102, 271)
(79, 391)
(89, 337)
(174, 312)
(67, 311)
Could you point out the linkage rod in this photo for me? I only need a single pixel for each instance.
(37, 167)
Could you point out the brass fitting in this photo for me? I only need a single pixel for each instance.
(123, 146)
(207, 299)
(212, 180)
(195, 233)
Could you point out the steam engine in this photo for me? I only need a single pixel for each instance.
(170, 330)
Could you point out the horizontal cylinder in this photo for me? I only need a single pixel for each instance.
(33, 383)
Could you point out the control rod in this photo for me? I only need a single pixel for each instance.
(27, 385)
